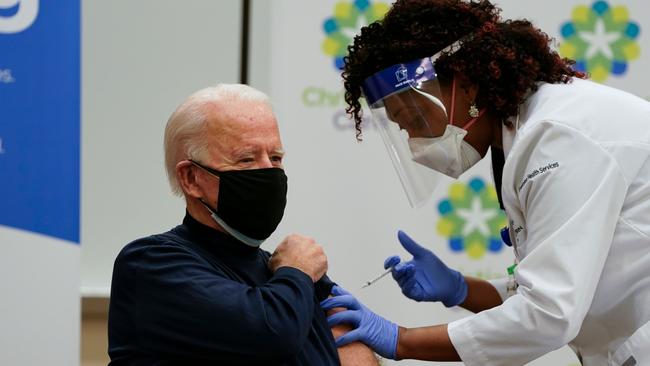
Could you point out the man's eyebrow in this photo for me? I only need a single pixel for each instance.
(242, 152)
(249, 151)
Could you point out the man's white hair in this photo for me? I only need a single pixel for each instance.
(185, 134)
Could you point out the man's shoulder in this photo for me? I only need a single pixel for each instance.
(169, 241)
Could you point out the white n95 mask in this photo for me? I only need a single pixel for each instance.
(448, 154)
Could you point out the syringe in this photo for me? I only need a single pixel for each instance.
(378, 277)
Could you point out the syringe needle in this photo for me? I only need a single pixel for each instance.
(378, 277)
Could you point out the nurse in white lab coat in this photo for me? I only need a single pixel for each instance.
(575, 185)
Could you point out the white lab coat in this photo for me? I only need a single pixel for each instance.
(576, 189)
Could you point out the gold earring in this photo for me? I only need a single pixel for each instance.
(473, 110)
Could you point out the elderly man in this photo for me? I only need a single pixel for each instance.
(204, 293)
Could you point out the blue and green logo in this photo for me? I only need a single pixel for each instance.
(471, 218)
(601, 38)
(348, 18)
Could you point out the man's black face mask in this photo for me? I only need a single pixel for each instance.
(251, 203)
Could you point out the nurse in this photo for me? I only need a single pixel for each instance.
(446, 82)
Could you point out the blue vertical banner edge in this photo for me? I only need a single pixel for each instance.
(40, 118)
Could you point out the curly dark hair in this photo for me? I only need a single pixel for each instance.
(505, 59)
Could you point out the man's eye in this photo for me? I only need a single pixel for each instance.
(246, 160)
(277, 158)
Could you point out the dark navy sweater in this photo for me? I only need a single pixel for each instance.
(197, 296)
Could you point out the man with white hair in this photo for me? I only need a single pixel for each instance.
(204, 292)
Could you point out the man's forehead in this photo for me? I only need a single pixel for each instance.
(244, 133)
(241, 117)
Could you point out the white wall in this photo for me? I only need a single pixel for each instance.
(140, 60)
(39, 307)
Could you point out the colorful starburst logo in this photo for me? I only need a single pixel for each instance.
(348, 18)
(471, 218)
(601, 38)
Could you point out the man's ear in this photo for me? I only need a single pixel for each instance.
(187, 179)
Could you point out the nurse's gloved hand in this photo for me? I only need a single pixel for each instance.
(369, 328)
(426, 277)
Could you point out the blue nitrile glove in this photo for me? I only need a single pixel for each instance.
(369, 328)
(426, 277)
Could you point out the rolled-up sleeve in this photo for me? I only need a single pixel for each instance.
(570, 191)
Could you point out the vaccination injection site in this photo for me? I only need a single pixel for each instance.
(324, 183)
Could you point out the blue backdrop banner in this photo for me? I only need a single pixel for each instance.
(40, 117)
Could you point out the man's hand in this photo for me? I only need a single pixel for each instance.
(300, 252)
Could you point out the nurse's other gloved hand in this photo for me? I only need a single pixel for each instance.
(369, 328)
(426, 277)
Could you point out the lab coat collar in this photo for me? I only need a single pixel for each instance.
(508, 134)
(517, 121)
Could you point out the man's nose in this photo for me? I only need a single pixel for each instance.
(265, 162)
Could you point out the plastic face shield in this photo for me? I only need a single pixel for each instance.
(406, 103)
